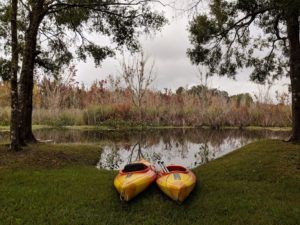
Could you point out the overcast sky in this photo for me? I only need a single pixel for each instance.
(173, 68)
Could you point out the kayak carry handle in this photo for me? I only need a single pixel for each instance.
(162, 165)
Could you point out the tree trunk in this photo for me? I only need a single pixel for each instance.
(293, 36)
(14, 131)
(27, 79)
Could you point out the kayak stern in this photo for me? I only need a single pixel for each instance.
(130, 184)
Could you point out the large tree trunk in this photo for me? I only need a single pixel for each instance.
(293, 36)
(27, 79)
(14, 131)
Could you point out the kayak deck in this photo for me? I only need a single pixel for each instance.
(178, 183)
(130, 182)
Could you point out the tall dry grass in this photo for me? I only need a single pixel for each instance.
(65, 102)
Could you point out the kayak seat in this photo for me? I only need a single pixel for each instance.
(176, 168)
(134, 167)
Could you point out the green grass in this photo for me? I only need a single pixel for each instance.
(102, 127)
(269, 128)
(34, 127)
(59, 184)
(122, 128)
(143, 127)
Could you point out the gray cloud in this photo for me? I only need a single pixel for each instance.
(168, 49)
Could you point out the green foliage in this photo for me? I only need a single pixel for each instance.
(5, 19)
(242, 99)
(180, 90)
(4, 69)
(96, 52)
(224, 41)
(203, 91)
(66, 25)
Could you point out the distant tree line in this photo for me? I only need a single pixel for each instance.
(113, 102)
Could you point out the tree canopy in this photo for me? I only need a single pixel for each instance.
(66, 27)
(234, 35)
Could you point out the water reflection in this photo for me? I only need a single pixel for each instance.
(188, 147)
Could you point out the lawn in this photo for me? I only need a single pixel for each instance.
(59, 184)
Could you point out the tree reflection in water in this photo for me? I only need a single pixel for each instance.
(188, 147)
(202, 156)
(112, 159)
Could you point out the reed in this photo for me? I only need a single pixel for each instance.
(65, 103)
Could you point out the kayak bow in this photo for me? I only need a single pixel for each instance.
(178, 183)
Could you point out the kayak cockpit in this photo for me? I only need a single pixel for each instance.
(135, 167)
(176, 168)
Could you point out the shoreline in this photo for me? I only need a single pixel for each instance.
(129, 128)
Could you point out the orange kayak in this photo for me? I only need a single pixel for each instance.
(134, 179)
(178, 183)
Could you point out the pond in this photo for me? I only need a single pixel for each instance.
(187, 147)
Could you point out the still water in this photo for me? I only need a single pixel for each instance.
(188, 147)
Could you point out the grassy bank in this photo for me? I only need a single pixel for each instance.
(144, 127)
(58, 184)
(34, 127)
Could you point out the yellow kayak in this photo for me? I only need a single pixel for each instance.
(134, 179)
(178, 183)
